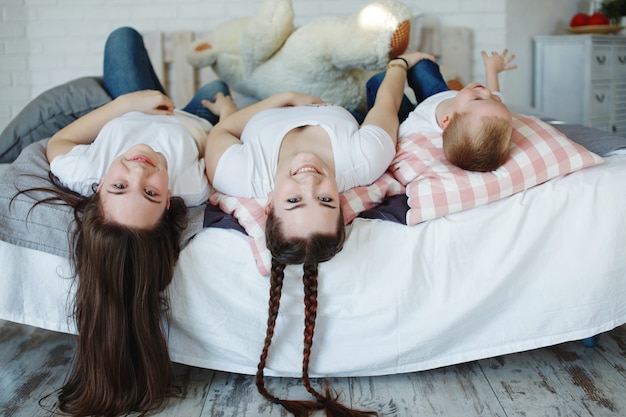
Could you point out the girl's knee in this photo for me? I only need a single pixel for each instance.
(425, 66)
(213, 87)
(222, 87)
(124, 34)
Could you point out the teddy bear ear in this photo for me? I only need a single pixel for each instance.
(400, 39)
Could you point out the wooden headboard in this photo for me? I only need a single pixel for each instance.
(452, 46)
(168, 53)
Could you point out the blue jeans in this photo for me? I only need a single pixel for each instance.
(425, 80)
(127, 68)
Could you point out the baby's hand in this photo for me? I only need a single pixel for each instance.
(498, 62)
(223, 106)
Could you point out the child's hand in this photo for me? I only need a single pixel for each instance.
(223, 106)
(498, 62)
(147, 101)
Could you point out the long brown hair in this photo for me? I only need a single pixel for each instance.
(310, 252)
(122, 362)
(479, 148)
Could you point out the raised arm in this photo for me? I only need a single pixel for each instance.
(85, 129)
(384, 112)
(227, 131)
(494, 65)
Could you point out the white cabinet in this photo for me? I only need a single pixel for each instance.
(582, 79)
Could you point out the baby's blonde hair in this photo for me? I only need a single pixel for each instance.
(472, 147)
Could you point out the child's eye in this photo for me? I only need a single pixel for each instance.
(325, 199)
(150, 193)
(293, 200)
(119, 186)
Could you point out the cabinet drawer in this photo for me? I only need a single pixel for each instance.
(619, 61)
(601, 61)
(601, 99)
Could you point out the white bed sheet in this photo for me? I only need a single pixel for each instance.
(542, 267)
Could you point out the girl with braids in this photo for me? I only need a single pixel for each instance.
(300, 154)
(143, 158)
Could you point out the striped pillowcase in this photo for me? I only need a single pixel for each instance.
(436, 188)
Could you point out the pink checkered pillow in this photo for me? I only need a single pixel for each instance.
(436, 188)
(250, 212)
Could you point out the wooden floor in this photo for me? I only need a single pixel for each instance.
(564, 380)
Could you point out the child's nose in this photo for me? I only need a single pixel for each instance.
(485, 93)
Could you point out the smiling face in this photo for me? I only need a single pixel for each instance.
(134, 191)
(479, 101)
(305, 196)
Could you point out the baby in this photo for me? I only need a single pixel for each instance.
(475, 124)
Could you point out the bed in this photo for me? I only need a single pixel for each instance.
(534, 263)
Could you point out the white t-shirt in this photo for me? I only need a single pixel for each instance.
(361, 155)
(175, 136)
(423, 119)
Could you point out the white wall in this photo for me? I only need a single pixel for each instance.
(46, 42)
(525, 19)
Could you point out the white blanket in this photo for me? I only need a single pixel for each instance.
(542, 267)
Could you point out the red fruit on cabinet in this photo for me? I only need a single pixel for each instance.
(579, 19)
(598, 19)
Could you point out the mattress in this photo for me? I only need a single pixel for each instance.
(538, 268)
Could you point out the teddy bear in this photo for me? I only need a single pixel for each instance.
(329, 57)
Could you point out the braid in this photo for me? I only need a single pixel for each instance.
(329, 401)
(310, 252)
(276, 286)
(309, 279)
(297, 408)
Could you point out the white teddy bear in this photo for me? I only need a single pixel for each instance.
(329, 57)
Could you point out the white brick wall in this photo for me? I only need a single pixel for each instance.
(46, 42)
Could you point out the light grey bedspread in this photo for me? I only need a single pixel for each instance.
(597, 141)
(46, 226)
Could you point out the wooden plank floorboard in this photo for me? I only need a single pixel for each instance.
(564, 380)
(235, 395)
(33, 363)
(460, 390)
(193, 384)
(612, 346)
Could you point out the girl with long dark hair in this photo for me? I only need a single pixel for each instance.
(128, 170)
